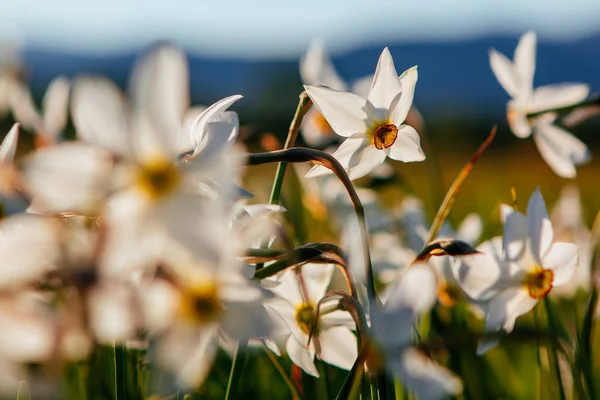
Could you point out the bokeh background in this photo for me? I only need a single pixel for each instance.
(253, 48)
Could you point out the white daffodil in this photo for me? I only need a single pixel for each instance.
(514, 272)
(8, 149)
(299, 293)
(559, 148)
(374, 127)
(202, 301)
(411, 295)
(157, 197)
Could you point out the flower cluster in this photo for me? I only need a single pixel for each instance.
(137, 235)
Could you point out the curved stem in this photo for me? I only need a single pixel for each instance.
(302, 154)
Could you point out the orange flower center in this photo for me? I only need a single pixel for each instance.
(539, 282)
(384, 136)
(158, 178)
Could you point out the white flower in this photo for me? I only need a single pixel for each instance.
(514, 272)
(299, 294)
(561, 150)
(410, 296)
(373, 126)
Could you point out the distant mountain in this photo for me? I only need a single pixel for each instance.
(453, 77)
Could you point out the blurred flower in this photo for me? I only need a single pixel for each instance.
(299, 293)
(373, 126)
(569, 225)
(515, 272)
(559, 148)
(411, 295)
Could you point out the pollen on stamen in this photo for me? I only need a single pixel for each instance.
(384, 136)
(305, 317)
(539, 282)
(158, 179)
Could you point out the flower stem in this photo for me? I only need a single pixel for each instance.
(553, 354)
(235, 375)
(279, 368)
(303, 106)
(593, 100)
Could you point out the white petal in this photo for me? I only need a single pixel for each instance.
(8, 148)
(29, 248)
(477, 274)
(198, 131)
(517, 119)
(386, 85)
(316, 278)
(159, 86)
(55, 106)
(220, 130)
(345, 112)
(555, 96)
(407, 147)
(470, 229)
(504, 70)
(424, 376)
(505, 308)
(23, 107)
(408, 81)
(562, 259)
(338, 347)
(289, 288)
(515, 234)
(110, 313)
(316, 68)
(301, 356)
(347, 154)
(524, 61)
(314, 133)
(68, 177)
(99, 115)
(368, 159)
(539, 225)
(184, 140)
(560, 149)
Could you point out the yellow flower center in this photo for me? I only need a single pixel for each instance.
(305, 318)
(199, 302)
(539, 282)
(383, 136)
(448, 294)
(158, 178)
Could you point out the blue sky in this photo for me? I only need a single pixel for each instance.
(283, 28)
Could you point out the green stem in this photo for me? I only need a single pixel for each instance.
(593, 100)
(553, 354)
(120, 373)
(235, 374)
(282, 373)
(303, 107)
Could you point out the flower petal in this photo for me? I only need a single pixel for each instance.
(316, 68)
(517, 119)
(562, 258)
(198, 131)
(515, 233)
(55, 106)
(368, 159)
(338, 347)
(478, 274)
(407, 147)
(539, 226)
(424, 376)
(470, 229)
(8, 148)
(386, 85)
(347, 154)
(316, 278)
(505, 72)
(345, 112)
(408, 81)
(560, 149)
(301, 356)
(555, 96)
(524, 61)
(98, 112)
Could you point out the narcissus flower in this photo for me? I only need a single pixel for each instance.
(374, 127)
(559, 148)
(515, 272)
(333, 341)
